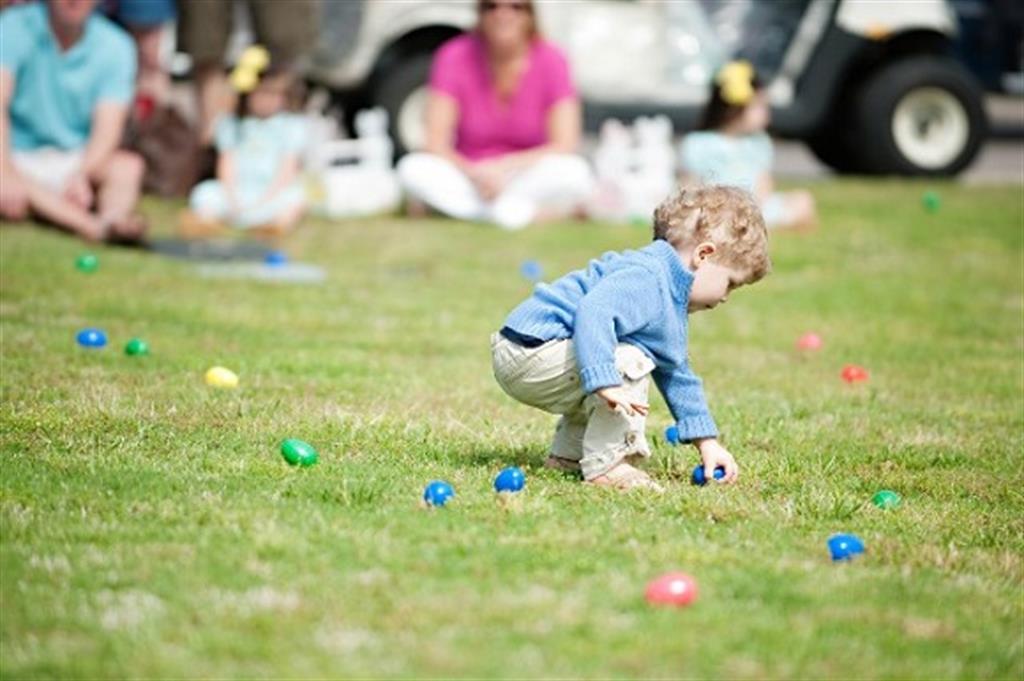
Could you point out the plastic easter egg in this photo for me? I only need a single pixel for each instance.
(532, 270)
(87, 262)
(852, 373)
(845, 546)
(219, 377)
(886, 499)
(299, 453)
(136, 347)
(275, 258)
(698, 475)
(91, 338)
(672, 435)
(931, 201)
(510, 479)
(672, 589)
(809, 342)
(437, 493)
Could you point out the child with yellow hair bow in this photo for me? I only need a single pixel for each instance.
(732, 147)
(258, 185)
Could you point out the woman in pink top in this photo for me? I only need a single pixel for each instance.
(503, 122)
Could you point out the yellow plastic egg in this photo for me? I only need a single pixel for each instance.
(219, 377)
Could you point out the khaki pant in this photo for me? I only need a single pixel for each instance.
(589, 431)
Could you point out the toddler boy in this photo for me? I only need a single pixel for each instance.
(584, 346)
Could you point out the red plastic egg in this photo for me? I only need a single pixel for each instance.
(673, 588)
(854, 374)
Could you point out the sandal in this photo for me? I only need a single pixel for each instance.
(559, 463)
(625, 477)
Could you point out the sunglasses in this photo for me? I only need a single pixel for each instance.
(490, 6)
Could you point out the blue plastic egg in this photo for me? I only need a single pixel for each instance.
(437, 493)
(845, 546)
(532, 270)
(672, 435)
(698, 475)
(275, 258)
(510, 479)
(91, 338)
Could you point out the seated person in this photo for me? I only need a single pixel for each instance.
(66, 83)
(731, 147)
(503, 124)
(259, 184)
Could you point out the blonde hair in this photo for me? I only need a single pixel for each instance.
(729, 217)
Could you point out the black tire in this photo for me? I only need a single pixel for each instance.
(394, 88)
(833, 149)
(951, 95)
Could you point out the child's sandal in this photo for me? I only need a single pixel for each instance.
(625, 477)
(559, 463)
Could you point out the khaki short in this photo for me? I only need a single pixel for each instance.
(547, 377)
(285, 27)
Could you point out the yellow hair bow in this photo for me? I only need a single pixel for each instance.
(736, 80)
(246, 74)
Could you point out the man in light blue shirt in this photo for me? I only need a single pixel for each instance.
(66, 82)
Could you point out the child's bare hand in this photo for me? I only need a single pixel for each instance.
(616, 397)
(713, 455)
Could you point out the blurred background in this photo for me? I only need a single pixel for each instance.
(924, 87)
(369, 107)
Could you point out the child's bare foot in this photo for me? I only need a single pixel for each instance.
(129, 230)
(416, 209)
(624, 477)
(270, 230)
(191, 226)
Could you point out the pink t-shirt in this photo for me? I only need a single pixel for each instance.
(489, 126)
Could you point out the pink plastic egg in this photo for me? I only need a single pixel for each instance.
(809, 341)
(673, 588)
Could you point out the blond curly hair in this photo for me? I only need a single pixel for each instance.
(729, 217)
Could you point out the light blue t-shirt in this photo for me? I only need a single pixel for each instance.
(260, 145)
(715, 158)
(56, 92)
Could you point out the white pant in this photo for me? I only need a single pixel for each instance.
(557, 182)
(591, 432)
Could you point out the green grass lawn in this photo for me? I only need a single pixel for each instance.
(151, 529)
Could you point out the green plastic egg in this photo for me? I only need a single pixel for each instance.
(136, 347)
(298, 453)
(886, 499)
(87, 262)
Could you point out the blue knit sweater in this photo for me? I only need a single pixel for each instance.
(636, 297)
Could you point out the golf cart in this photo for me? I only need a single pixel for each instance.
(872, 87)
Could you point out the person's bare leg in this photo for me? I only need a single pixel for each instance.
(285, 223)
(120, 182)
(215, 99)
(800, 206)
(54, 208)
(289, 219)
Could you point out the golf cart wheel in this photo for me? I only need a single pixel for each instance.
(920, 116)
(835, 151)
(403, 93)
